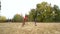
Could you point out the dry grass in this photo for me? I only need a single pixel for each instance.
(29, 28)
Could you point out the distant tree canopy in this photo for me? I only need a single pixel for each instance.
(2, 18)
(45, 13)
(17, 18)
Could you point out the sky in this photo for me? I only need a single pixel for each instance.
(11, 7)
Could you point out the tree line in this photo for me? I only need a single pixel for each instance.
(16, 18)
(44, 12)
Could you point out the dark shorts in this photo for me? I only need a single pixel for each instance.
(25, 20)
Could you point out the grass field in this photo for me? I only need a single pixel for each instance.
(30, 28)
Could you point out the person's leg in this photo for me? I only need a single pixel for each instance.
(35, 23)
(23, 22)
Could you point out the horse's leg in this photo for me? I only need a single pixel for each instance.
(35, 23)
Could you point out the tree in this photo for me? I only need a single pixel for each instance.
(2, 18)
(45, 12)
(57, 12)
(31, 15)
(17, 18)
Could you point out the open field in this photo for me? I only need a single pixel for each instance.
(29, 28)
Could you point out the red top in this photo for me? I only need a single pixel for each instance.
(25, 17)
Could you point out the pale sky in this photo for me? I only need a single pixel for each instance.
(11, 7)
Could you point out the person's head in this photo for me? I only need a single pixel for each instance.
(26, 15)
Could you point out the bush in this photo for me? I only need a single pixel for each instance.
(2, 18)
(17, 18)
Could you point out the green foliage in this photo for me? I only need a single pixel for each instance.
(2, 18)
(31, 15)
(17, 18)
(45, 13)
(57, 12)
